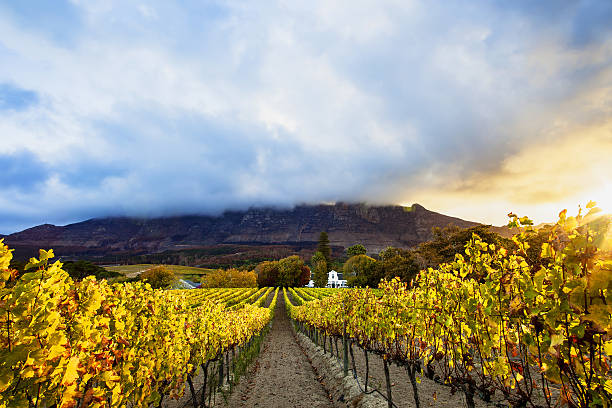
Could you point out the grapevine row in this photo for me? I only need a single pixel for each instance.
(249, 299)
(90, 343)
(491, 323)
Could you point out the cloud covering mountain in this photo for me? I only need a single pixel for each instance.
(472, 109)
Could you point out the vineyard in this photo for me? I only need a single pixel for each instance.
(88, 343)
(488, 324)
(492, 326)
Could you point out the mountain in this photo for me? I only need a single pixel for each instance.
(376, 227)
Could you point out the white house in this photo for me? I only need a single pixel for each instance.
(185, 284)
(334, 280)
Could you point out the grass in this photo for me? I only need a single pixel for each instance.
(133, 270)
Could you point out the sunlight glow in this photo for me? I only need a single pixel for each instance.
(604, 198)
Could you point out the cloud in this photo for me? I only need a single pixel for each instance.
(156, 108)
(539, 181)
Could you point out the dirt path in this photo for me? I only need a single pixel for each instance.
(282, 376)
(270, 298)
(431, 394)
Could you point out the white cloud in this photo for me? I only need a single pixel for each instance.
(158, 107)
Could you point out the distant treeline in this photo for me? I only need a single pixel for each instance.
(286, 265)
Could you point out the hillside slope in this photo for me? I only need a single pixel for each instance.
(376, 227)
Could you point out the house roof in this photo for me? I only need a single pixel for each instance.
(184, 284)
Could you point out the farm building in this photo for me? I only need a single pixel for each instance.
(334, 280)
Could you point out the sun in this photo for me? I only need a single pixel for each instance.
(603, 198)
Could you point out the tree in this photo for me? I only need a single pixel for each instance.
(267, 273)
(360, 270)
(323, 247)
(398, 262)
(289, 271)
(79, 270)
(230, 278)
(319, 269)
(452, 240)
(304, 276)
(356, 249)
(158, 277)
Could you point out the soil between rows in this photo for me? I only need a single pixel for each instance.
(282, 375)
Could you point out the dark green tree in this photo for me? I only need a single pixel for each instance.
(324, 247)
(356, 249)
(319, 269)
(361, 270)
(398, 262)
(79, 270)
(451, 240)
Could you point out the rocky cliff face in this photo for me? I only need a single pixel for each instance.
(376, 227)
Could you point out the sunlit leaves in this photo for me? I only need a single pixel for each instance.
(495, 306)
(62, 342)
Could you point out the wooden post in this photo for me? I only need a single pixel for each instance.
(220, 371)
(344, 339)
(345, 349)
(388, 380)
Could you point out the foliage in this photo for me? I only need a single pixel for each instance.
(361, 270)
(8, 275)
(323, 247)
(485, 323)
(267, 274)
(91, 344)
(290, 271)
(18, 266)
(304, 277)
(533, 248)
(452, 240)
(79, 270)
(397, 262)
(158, 277)
(356, 249)
(230, 278)
(319, 269)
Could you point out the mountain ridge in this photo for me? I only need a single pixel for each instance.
(376, 227)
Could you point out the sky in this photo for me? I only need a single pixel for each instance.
(469, 108)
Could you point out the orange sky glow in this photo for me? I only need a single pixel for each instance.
(539, 181)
